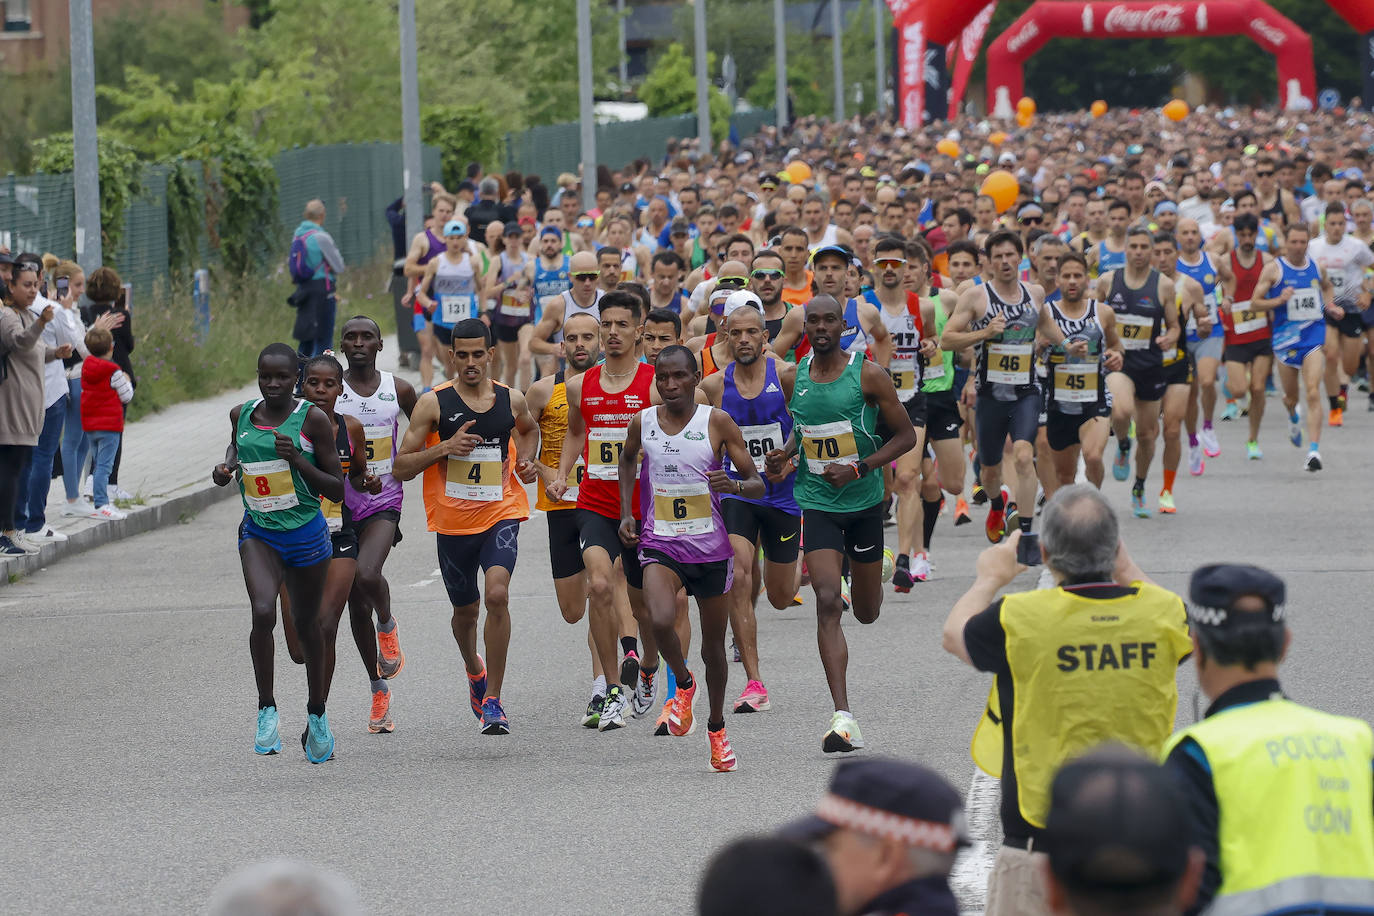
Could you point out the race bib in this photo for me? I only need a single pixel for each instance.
(475, 477)
(760, 440)
(1245, 321)
(1135, 331)
(456, 307)
(935, 370)
(1305, 305)
(1009, 363)
(268, 485)
(682, 509)
(1076, 383)
(827, 444)
(512, 307)
(333, 514)
(575, 480)
(604, 445)
(379, 445)
(904, 374)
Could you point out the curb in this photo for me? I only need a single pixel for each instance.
(145, 518)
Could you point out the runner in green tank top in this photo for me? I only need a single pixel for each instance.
(282, 450)
(837, 400)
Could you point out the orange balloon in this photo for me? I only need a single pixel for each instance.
(1176, 110)
(997, 137)
(798, 171)
(1024, 118)
(948, 148)
(1002, 187)
(1099, 108)
(1027, 105)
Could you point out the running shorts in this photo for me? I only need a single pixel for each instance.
(995, 420)
(565, 556)
(1148, 381)
(1211, 348)
(596, 530)
(345, 544)
(1351, 324)
(858, 535)
(1248, 352)
(442, 334)
(461, 555)
(1294, 356)
(701, 580)
(506, 333)
(777, 530)
(381, 515)
(1061, 429)
(942, 416)
(303, 546)
(1180, 373)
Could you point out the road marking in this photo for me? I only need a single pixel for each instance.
(969, 879)
(422, 583)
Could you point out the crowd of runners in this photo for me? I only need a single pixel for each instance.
(730, 376)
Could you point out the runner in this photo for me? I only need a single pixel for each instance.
(1205, 348)
(425, 247)
(376, 399)
(1179, 377)
(662, 328)
(547, 336)
(550, 276)
(1110, 253)
(682, 539)
(1077, 407)
(754, 390)
(945, 412)
(1136, 294)
(794, 248)
(1295, 288)
(510, 285)
(863, 327)
(447, 294)
(467, 436)
(836, 404)
(1249, 352)
(281, 451)
(1344, 261)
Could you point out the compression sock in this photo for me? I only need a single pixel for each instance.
(1169, 481)
(1334, 401)
(931, 509)
(387, 627)
(599, 686)
(1192, 440)
(1139, 488)
(314, 709)
(998, 503)
(687, 683)
(715, 726)
(1206, 424)
(629, 644)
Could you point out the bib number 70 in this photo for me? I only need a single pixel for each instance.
(826, 448)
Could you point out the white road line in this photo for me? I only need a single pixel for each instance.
(970, 877)
(422, 583)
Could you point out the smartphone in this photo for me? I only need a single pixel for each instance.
(63, 284)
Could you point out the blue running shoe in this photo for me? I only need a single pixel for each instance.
(268, 740)
(1230, 411)
(494, 721)
(477, 689)
(1295, 430)
(1138, 505)
(317, 739)
(1121, 464)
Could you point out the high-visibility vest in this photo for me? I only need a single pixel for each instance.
(1295, 799)
(1087, 671)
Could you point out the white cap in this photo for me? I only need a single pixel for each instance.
(742, 298)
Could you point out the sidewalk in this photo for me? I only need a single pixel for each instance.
(166, 465)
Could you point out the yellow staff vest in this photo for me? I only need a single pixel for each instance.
(1086, 671)
(1295, 795)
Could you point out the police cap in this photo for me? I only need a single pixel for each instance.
(1214, 590)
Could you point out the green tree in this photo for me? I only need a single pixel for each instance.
(670, 88)
(463, 133)
(120, 178)
(803, 78)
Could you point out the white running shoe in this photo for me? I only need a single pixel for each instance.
(1210, 446)
(642, 700)
(25, 542)
(110, 513)
(920, 567)
(843, 736)
(49, 535)
(1314, 461)
(118, 492)
(1196, 464)
(82, 508)
(613, 710)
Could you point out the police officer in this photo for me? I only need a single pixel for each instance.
(890, 831)
(1281, 796)
(1089, 661)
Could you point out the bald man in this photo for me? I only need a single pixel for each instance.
(320, 263)
(582, 298)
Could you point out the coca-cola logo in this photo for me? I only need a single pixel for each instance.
(973, 34)
(1268, 32)
(913, 53)
(1021, 38)
(1162, 18)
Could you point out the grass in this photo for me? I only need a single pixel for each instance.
(173, 365)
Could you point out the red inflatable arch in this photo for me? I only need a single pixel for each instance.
(1047, 19)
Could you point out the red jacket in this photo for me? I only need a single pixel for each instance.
(101, 409)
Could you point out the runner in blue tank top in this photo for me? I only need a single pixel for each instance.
(683, 543)
(754, 390)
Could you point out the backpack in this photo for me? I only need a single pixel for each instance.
(298, 261)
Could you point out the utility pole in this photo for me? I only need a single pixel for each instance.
(585, 103)
(412, 165)
(624, 61)
(879, 27)
(779, 65)
(703, 96)
(837, 61)
(85, 153)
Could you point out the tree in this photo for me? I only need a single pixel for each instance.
(670, 88)
(120, 180)
(463, 133)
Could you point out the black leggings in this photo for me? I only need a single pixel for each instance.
(14, 473)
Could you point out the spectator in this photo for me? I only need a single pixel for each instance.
(6, 265)
(282, 887)
(1116, 835)
(75, 445)
(105, 390)
(105, 290)
(61, 342)
(890, 831)
(319, 262)
(1070, 675)
(1280, 795)
(766, 876)
(22, 355)
(486, 209)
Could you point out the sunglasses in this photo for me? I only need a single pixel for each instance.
(1263, 174)
(1032, 220)
(586, 275)
(738, 282)
(765, 274)
(888, 263)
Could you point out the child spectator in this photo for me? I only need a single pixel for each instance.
(105, 389)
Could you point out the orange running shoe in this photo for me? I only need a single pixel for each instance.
(722, 754)
(996, 526)
(390, 658)
(961, 514)
(680, 721)
(380, 721)
(1336, 417)
(661, 723)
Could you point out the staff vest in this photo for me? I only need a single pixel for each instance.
(1294, 795)
(1086, 671)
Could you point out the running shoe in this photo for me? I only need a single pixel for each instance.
(961, 516)
(82, 508)
(980, 496)
(889, 563)
(680, 720)
(45, 535)
(629, 669)
(734, 652)
(1166, 503)
(754, 698)
(722, 754)
(1341, 400)
(844, 593)
(661, 723)
(1336, 417)
(268, 738)
(109, 513)
(1196, 463)
(9, 548)
(642, 701)
(494, 721)
(379, 720)
(1230, 411)
(317, 740)
(1210, 446)
(592, 716)
(1121, 464)
(477, 689)
(1130, 434)
(1295, 430)
(995, 526)
(613, 710)
(390, 658)
(798, 599)
(843, 736)
(1013, 519)
(1314, 461)
(920, 567)
(1138, 505)
(902, 580)
(1252, 451)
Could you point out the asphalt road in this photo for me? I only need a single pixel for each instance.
(130, 782)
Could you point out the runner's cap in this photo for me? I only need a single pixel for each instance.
(455, 227)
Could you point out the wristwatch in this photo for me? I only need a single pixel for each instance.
(862, 469)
